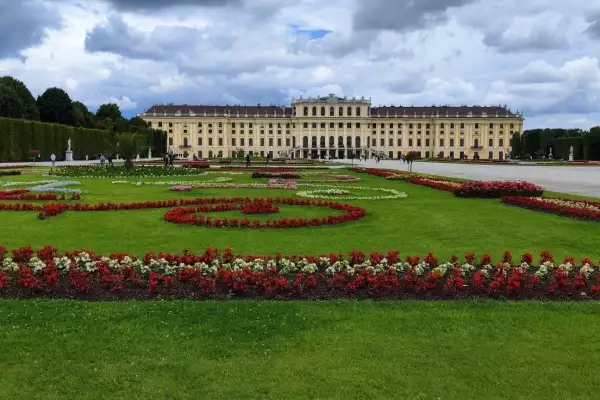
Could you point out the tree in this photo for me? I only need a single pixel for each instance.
(515, 143)
(410, 157)
(31, 111)
(109, 110)
(82, 116)
(56, 106)
(129, 147)
(11, 105)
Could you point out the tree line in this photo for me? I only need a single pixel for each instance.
(24, 118)
(540, 143)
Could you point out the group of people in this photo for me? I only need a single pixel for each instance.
(103, 159)
(168, 159)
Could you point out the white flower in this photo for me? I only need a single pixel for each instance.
(9, 265)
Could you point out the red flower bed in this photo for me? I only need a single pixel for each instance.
(24, 194)
(259, 206)
(215, 275)
(579, 209)
(15, 166)
(188, 215)
(196, 164)
(489, 189)
(384, 173)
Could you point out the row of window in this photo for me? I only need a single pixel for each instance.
(331, 111)
(340, 142)
(340, 125)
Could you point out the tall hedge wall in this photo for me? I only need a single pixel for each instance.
(18, 136)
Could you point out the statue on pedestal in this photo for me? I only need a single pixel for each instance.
(69, 144)
(550, 154)
(571, 153)
(69, 152)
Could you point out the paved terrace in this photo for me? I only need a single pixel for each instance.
(584, 181)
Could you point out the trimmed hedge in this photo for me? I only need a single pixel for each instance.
(18, 136)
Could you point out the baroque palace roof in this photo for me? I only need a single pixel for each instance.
(280, 111)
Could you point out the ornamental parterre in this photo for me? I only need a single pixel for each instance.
(83, 274)
(339, 192)
(121, 172)
(578, 209)
(182, 213)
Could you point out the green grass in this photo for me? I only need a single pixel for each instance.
(275, 350)
(428, 220)
(301, 350)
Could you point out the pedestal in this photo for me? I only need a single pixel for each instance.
(68, 156)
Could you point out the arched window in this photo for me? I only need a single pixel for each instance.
(341, 112)
(349, 111)
(357, 142)
(314, 141)
(314, 113)
(349, 141)
(185, 142)
(331, 141)
(358, 111)
(322, 141)
(322, 111)
(476, 143)
(304, 141)
(306, 111)
(340, 141)
(331, 111)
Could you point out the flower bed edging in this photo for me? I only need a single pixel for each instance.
(25, 273)
(579, 209)
(495, 189)
(320, 194)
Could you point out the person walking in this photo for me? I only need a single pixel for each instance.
(248, 160)
(166, 160)
(171, 158)
(53, 159)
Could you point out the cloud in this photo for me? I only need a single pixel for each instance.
(403, 15)
(593, 30)
(24, 23)
(158, 5)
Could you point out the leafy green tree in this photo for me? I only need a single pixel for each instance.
(411, 157)
(109, 110)
(129, 146)
(515, 143)
(56, 106)
(29, 104)
(83, 117)
(11, 105)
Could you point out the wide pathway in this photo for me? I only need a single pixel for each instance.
(583, 181)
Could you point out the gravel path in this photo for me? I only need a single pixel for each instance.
(583, 181)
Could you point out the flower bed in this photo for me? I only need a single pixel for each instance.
(489, 189)
(188, 216)
(24, 194)
(89, 171)
(259, 206)
(448, 186)
(57, 187)
(288, 185)
(25, 273)
(340, 193)
(281, 175)
(220, 179)
(196, 164)
(10, 173)
(374, 171)
(579, 209)
(15, 166)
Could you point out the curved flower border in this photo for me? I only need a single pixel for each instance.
(58, 187)
(313, 195)
(173, 183)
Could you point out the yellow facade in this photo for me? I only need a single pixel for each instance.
(336, 127)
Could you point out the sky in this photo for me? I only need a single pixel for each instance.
(535, 56)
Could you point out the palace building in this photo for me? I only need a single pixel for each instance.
(336, 127)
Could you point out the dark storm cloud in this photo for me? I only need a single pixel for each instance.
(594, 29)
(539, 40)
(23, 24)
(402, 15)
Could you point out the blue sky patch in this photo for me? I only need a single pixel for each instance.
(311, 33)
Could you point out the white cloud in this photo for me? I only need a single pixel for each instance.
(527, 55)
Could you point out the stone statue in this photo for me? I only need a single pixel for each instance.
(69, 144)
(69, 152)
(550, 154)
(571, 153)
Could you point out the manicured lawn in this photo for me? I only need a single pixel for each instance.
(301, 350)
(428, 220)
(274, 350)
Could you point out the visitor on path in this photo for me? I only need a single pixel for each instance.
(166, 160)
(247, 160)
(110, 158)
(171, 158)
(268, 158)
(102, 159)
(53, 159)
